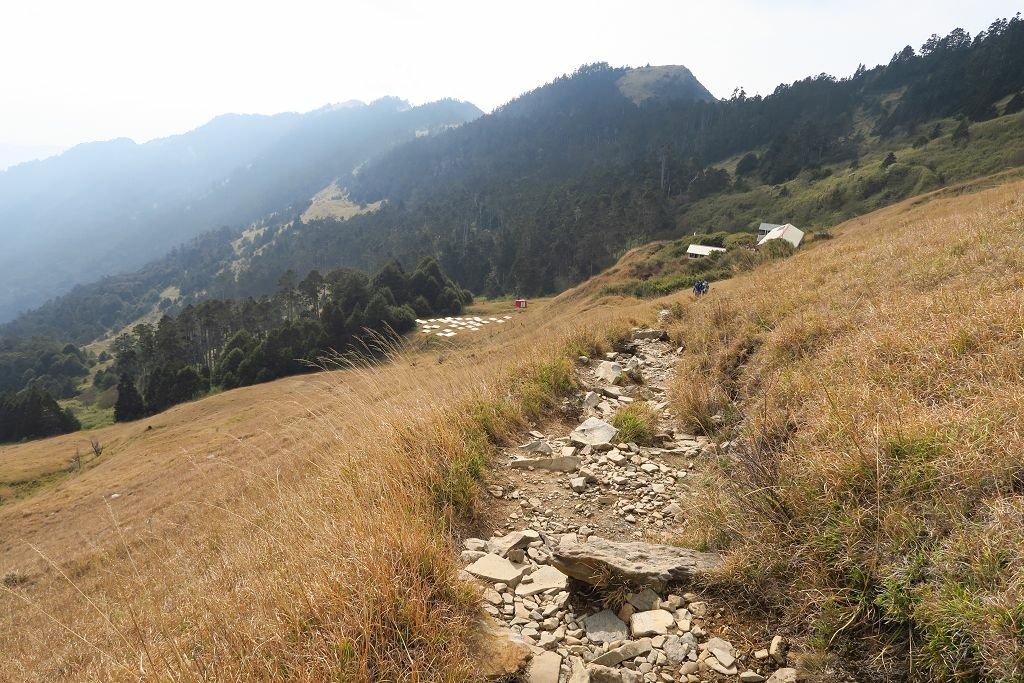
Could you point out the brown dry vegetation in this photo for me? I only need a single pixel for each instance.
(303, 529)
(875, 385)
(299, 530)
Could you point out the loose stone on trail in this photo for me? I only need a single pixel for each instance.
(593, 432)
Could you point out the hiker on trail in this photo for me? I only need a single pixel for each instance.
(697, 289)
(704, 287)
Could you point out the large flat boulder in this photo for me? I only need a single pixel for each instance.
(544, 579)
(496, 569)
(644, 565)
(593, 432)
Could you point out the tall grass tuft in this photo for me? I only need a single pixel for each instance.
(637, 423)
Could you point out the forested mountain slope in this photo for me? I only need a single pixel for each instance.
(555, 185)
(109, 207)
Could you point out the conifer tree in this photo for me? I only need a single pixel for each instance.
(129, 404)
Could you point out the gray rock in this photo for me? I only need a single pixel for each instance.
(653, 622)
(631, 650)
(559, 464)
(716, 665)
(579, 673)
(544, 579)
(777, 650)
(548, 641)
(475, 544)
(578, 484)
(723, 651)
(609, 371)
(649, 333)
(677, 649)
(783, 676)
(470, 556)
(604, 674)
(749, 676)
(645, 600)
(538, 446)
(496, 570)
(517, 539)
(591, 399)
(545, 668)
(593, 432)
(636, 563)
(604, 627)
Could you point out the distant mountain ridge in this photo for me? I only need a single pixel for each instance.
(12, 155)
(555, 185)
(108, 207)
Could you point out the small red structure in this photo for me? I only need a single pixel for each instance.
(522, 303)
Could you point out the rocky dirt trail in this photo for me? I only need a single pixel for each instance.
(580, 583)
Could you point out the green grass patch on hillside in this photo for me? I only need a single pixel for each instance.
(90, 415)
(667, 268)
(823, 197)
(637, 423)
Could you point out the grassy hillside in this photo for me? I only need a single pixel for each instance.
(824, 197)
(302, 529)
(872, 389)
(298, 530)
(818, 201)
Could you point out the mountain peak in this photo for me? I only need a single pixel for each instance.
(671, 81)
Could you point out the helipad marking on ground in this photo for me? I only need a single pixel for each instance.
(450, 326)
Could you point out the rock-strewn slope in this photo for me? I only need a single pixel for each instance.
(581, 581)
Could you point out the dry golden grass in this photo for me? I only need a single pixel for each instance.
(315, 544)
(333, 202)
(876, 386)
(303, 529)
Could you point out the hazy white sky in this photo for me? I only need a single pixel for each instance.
(75, 71)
